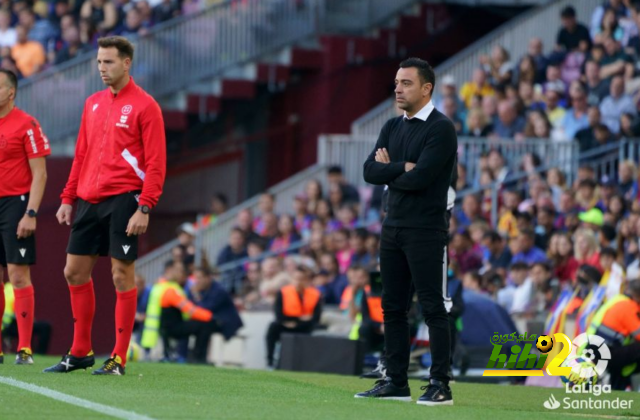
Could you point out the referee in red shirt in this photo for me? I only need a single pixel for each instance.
(116, 179)
(23, 148)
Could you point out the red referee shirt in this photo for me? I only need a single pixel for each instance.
(21, 139)
(121, 148)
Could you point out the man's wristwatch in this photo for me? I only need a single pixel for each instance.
(31, 213)
(144, 209)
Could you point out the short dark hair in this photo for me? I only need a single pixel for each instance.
(609, 252)
(529, 233)
(204, 270)
(12, 79)
(308, 272)
(492, 236)
(590, 183)
(568, 12)
(608, 232)
(122, 44)
(545, 266)
(519, 266)
(425, 71)
(335, 170)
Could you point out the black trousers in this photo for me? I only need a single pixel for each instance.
(414, 256)
(185, 329)
(275, 331)
(620, 357)
(41, 334)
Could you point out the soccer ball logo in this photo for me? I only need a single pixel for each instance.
(544, 344)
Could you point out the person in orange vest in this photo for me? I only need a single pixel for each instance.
(618, 322)
(298, 308)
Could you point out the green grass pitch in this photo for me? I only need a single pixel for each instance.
(165, 391)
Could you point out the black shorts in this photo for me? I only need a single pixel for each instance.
(101, 229)
(12, 249)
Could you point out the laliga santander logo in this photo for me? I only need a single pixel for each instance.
(592, 348)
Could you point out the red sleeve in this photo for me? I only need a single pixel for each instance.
(36, 144)
(69, 194)
(155, 154)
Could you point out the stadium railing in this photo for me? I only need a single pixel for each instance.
(349, 151)
(542, 22)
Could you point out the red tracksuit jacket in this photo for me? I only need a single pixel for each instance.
(121, 147)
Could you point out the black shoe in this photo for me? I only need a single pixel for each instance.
(112, 366)
(24, 357)
(384, 389)
(437, 393)
(380, 372)
(69, 363)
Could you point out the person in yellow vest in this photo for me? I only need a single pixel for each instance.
(171, 315)
(41, 329)
(359, 300)
(298, 308)
(618, 322)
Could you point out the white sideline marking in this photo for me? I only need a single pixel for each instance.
(79, 402)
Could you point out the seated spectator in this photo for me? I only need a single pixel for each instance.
(497, 255)
(609, 27)
(627, 179)
(88, 32)
(209, 294)
(477, 126)
(509, 123)
(478, 86)
(526, 71)
(587, 196)
(166, 312)
(450, 110)
(498, 67)
(8, 36)
(616, 104)
(244, 222)
(554, 79)
(132, 24)
(235, 250)
(287, 235)
(573, 36)
(490, 108)
(554, 111)
(597, 88)
(72, 45)
(313, 191)
(545, 288)
(266, 205)
(41, 30)
(507, 223)
(359, 255)
(545, 226)
(29, 55)
(461, 252)
(615, 62)
(576, 117)
(101, 13)
(537, 126)
(472, 281)
(447, 88)
(269, 224)
(557, 182)
(302, 217)
(273, 279)
(348, 216)
(586, 249)
(249, 295)
(297, 307)
(470, 212)
(561, 254)
(528, 252)
(167, 9)
(337, 281)
(586, 136)
(324, 214)
(527, 94)
(506, 296)
(349, 193)
(536, 51)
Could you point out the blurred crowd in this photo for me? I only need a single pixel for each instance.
(35, 35)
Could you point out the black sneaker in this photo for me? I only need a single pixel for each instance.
(437, 393)
(24, 357)
(384, 389)
(112, 366)
(380, 372)
(69, 363)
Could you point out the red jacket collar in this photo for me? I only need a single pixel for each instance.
(129, 87)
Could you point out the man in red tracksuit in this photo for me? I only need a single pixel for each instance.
(116, 178)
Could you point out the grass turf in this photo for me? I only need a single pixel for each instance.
(165, 391)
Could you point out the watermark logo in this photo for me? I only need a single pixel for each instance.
(551, 403)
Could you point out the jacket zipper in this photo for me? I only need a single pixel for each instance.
(104, 134)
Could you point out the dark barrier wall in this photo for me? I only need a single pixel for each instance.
(52, 293)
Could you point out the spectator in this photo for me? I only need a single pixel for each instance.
(617, 6)
(527, 70)
(546, 288)
(609, 27)
(269, 226)
(477, 126)
(561, 255)
(266, 204)
(8, 36)
(554, 111)
(528, 252)
(313, 191)
(344, 253)
(497, 255)
(470, 211)
(627, 179)
(72, 46)
(324, 215)
(490, 108)
(587, 197)
(586, 249)
(244, 222)
(629, 127)
(498, 66)
(337, 282)
(450, 110)
(132, 25)
(101, 13)
(477, 86)
(615, 62)
(573, 36)
(535, 51)
(286, 236)
(41, 31)
(586, 137)
(506, 295)
(615, 104)
(359, 255)
(462, 254)
(554, 79)
(349, 193)
(302, 217)
(29, 55)
(507, 224)
(166, 10)
(88, 32)
(447, 88)
(273, 279)
(236, 250)
(576, 117)
(597, 88)
(545, 227)
(509, 123)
